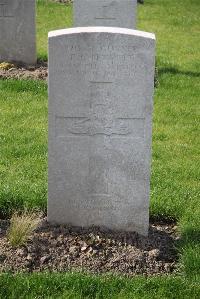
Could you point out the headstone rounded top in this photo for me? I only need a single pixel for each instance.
(100, 29)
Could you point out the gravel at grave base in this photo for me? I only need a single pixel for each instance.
(64, 248)
(37, 72)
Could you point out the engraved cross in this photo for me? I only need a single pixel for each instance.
(101, 121)
(104, 15)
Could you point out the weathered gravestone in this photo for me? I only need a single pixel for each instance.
(17, 31)
(100, 117)
(114, 13)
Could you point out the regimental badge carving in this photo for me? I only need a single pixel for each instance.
(74, 126)
(101, 119)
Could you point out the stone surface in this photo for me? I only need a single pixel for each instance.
(100, 120)
(114, 13)
(17, 31)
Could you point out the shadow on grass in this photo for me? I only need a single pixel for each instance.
(176, 71)
(10, 203)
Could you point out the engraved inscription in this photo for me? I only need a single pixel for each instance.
(96, 202)
(5, 11)
(101, 48)
(89, 63)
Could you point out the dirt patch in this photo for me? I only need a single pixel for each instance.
(63, 248)
(37, 72)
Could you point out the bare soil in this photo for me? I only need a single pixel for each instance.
(37, 72)
(94, 250)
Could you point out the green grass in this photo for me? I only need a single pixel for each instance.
(23, 143)
(176, 165)
(175, 187)
(176, 25)
(78, 286)
(50, 16)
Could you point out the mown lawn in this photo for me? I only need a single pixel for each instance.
(50, 16)
(175, 187)
(79, 286)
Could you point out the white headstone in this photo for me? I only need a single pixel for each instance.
(114, 13)
(17, 31)
(101, 82)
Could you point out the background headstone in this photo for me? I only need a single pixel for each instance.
(101, 82)
(17, 31)
(114, 13)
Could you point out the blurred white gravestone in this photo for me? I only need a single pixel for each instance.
(101, 82)
(17, 31)
(114, 13)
